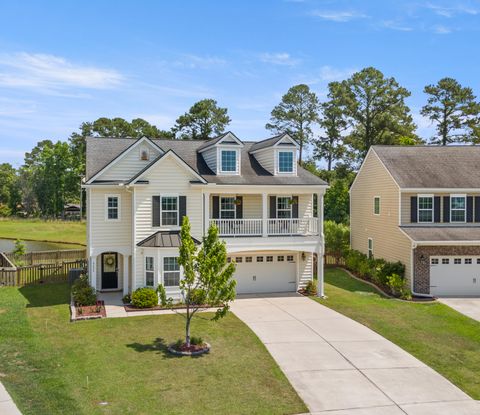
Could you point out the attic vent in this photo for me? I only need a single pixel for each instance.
(144, 154)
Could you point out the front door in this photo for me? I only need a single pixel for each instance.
(109, 270)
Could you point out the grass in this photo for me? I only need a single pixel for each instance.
(40, 230)
(444, 339)
(52, 366)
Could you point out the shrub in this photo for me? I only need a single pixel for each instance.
(196, 341)
(311, 288)
(164, 301)
(337, 238)
(83, 293)
(397, 285)
(144, 298)
(127, 299)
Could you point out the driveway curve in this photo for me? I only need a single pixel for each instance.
(339, 366)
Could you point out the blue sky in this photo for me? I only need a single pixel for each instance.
(62, 63)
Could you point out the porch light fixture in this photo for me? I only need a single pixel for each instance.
(303, 256)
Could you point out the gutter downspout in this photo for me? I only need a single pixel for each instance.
(414, 246)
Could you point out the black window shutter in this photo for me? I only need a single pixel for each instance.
(446, 209)
(295, 207)
(239, 207)
(477, 208)
(155, 211)
(216, 207)
(182, 207)
(469, 208)
(273, 207)
(436, 209)
(413, 209)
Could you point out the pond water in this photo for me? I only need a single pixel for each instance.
(7, 245)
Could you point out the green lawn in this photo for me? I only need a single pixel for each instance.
(445, 340)
(52, 366)
(39, 230)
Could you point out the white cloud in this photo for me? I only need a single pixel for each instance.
(441, 30)
(394, 25)
(49, 72)
(192, 61)
(327, 74)
(338, 15)
(281, 58)
(451, 11)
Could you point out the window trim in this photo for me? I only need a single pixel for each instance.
(177, 210)
(163, 272)
(147, 270)
(289, 206)
(464, 196)
(432, 209)
(227, 210)
(119, 209)
(375, 198)
(237, 161)
(292, 152)
(370, 248)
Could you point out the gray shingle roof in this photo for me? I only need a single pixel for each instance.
(443, 233)
(164, 239)
(101, 151)
(432, 166)
(211, 142)
(269, 142)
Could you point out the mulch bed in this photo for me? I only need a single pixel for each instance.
(130, 308)
(192, 350)
(90, 312)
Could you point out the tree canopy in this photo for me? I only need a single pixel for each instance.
(204, 120)
(454, 111)
(295, 115)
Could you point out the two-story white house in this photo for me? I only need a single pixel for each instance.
(261, 200)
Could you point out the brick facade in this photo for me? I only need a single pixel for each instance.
(421, 262)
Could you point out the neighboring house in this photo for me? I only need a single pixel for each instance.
(261, 200)
(421, 206)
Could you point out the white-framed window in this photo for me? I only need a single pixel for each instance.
(284, 207)
(259, 258)
(445, 261)
(458, 208)
(370, 247)
(171, 271)
(468, 261)
(238, 259)
(149, 271)
(112, 208)
(425, 208)
(280, 258)
(376, 205)
(248, 259)
(169, 211)
(457, 261)
(227, 207)
(434, 261)
(269, 258)
(290, 258)
(285, 161)
(228, 161)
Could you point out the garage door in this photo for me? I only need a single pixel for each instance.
(258, 273)
(455, 275)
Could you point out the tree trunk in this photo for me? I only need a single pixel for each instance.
(300, 155)
(187, 327)
(329, 168)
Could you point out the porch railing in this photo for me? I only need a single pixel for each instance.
(273, 227)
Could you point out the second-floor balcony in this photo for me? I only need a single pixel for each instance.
(266, 227)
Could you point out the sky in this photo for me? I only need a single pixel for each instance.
(66, 62)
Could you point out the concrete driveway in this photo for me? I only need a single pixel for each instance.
(339, 366)
(468, 306)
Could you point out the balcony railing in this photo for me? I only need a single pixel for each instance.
(273, 227)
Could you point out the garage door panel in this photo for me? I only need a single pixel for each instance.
(454, 275)
(264, 277)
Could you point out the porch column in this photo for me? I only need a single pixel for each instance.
(321, 244)
(206, 213)
(125, 274)
(92, 271)
(264, 215)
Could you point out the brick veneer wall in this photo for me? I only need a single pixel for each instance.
(421, 262)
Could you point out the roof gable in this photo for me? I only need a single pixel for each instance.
(227, 138)
(127, 162)
(277, 141)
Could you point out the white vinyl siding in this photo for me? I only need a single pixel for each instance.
(210, 157)
(130, 164)
(266, 158)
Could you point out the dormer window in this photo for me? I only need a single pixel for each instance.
(228, 161)
(144, 154)
(285, 161)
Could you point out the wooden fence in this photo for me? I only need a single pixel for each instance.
(48, 257)
(40, 273)
(333, 261)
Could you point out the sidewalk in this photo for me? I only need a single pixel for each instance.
(7, 406)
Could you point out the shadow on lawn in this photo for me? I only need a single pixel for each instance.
(45, 295)
(160, 347)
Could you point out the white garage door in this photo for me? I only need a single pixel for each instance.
(455, 275)
(265, 273)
